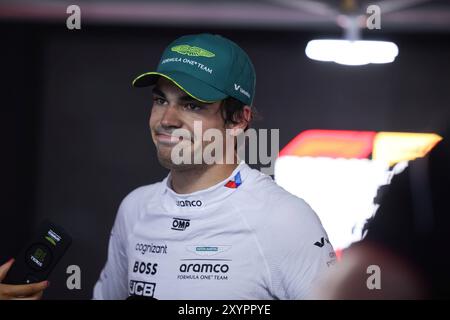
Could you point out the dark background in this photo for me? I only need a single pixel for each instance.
(75, 136)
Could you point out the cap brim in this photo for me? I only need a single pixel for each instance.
(195, 88)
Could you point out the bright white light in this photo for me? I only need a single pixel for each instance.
(341, 191)
(352, 52)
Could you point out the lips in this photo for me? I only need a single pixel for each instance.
(167, 138)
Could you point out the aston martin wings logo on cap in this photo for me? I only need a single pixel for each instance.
(192, 51)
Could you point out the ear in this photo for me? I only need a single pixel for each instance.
(242, 122)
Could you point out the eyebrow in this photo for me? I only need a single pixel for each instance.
(185, 98)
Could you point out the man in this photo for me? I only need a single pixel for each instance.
(209, 231)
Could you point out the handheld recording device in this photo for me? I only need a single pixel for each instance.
(37, 260)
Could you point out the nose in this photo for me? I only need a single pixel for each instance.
(170, 118)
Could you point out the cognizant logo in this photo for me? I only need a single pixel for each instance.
(204, 268)
(151, 248)
(187, 203)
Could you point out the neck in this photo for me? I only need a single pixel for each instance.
(203, 177)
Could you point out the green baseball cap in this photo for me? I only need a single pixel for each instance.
(207, 67)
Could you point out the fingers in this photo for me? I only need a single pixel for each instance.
(4, 268)
(36, 296)
(32, 291)
(24, 290)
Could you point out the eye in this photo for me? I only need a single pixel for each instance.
(193, 107)
(158, 100)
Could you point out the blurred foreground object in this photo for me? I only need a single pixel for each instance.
(407, 238)
(338, 173)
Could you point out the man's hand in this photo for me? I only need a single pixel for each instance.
(19, 292)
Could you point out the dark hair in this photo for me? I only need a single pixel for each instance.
(232, 111)
(413, 218)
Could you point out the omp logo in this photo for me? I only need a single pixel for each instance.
(207, 250)
(192, 51)
(52, 237)
(322, 242)
(204, 268)
(180, 224)
(187, 203)
(140, 288)
(237, 87)
(145, 267)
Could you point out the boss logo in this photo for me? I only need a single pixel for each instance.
(145, 268)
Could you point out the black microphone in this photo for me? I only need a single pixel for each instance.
(38, 259)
